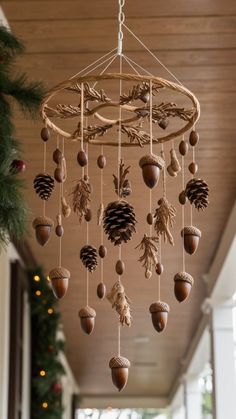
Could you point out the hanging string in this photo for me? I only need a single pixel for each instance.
(163, 171)
(107, 66)
(93, 64)
(151, 140)
(129, 61)
(159, 276)
(44, 170)
(119, 327)
(152, 54)
(87, 168)
(183, 209)
(87, 287)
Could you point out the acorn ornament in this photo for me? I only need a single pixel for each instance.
(183, 285)
(159, 311)
(43, 226)
(191, 236)
(87, 319)
(59, 280)
(101, 290)
(151, 167)
(119, 371)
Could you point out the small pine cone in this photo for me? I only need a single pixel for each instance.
(44, 185)
(89, 256)
(197, 192)
(119, 222)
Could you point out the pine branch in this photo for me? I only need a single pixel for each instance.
(10, 45)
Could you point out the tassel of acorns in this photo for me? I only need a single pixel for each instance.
(183, 281)
(43, 185)
(102, 251)
(60, 276)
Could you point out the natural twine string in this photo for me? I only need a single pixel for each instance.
(183, 210)
(159, 276)
(44, 171)
(87, 168)
(87, 287)
(151, 139)
(119, 147)
(119, 327)
(163, 171)
(101, 203)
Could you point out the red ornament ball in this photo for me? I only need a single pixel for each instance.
(17, 166)
(57, 387)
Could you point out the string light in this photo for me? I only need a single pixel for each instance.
(45, 405)
(38, 293)
(42, 373)
(50, 310)
(36, 278)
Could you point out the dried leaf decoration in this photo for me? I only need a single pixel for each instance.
(121, 303)
(65, 207)
(81, 197)
(164, 219)
(123, 189)
(164, 110)
(139, 91)
(136, 134)
(149, 245)
(91, 132)
(100, 213)
(90, 94)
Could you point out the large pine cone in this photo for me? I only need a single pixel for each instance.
(89, 257)
(119, 222)
(197, 192)
(44, 185)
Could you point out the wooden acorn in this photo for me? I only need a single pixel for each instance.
(82, 158)
(101, 290)
(191, 237)
(59, 281)
(59, 230)
(43, 226)
(87, 319)
(159, 312)
(193, 168)
(102, 251)
(150, 218)
(183, 285)
(151, 166)
(119, 371)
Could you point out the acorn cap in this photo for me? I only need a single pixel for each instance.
(159, 306)
(119, 362)
(184, 276)
(42, 221)
(87, 312)
(191, 230)
(58, 273)
(153, 160)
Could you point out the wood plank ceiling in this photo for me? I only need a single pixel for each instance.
(197, 41)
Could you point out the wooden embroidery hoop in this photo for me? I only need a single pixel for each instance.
(46, 110)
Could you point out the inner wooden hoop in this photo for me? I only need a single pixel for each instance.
(117, 76)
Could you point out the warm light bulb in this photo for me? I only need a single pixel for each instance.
(42, 373)
(45, 405)
(48, 278)
(38, 293)
(50, 310)
(36, 278)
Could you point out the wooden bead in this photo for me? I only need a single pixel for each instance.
(164, 123)
(182, 198)
(150, 219)
(57, 155)
(101, 290)
(102, 251)
(159, 268)
(58, 175)
(193, 138)
(59, 230)
(88, 215)
(82, 158)
(45, 134)
(193, 168)
(101, 161)
(120, 267)
(183, 148)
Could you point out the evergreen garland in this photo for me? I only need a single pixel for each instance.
(46, 366)
(13, 211)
